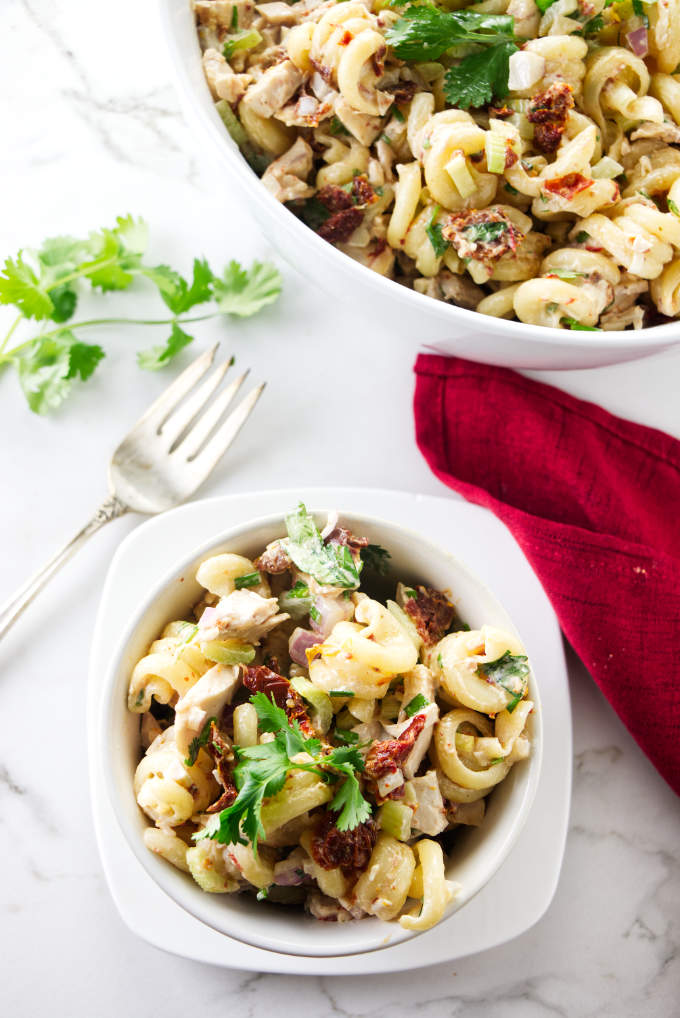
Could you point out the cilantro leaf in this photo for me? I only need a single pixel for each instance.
(544, 4)
(374, 557)
(479, 77)
(510, 672)
(328, 563)
(115, 253)
(347, 736)
(197, 742)
(425, 32)
(434, 232)
(349, 802)
(157, 357)
(176, 292)
(48, 366)
(242, 291)
(19, 285)
(247, 580)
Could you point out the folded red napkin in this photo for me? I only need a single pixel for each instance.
(594, 502)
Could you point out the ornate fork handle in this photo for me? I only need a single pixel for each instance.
(110, 509)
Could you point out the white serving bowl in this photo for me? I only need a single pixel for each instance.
(425, 322)
(478, 852)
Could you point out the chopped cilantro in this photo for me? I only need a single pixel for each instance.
(425, 32)
(479, 77)
(484, 233)
(346, 735)
(340, 692)
(582, 237)
(397, 114)
(672, 207)
(314, 613)
(417, 703)
(575, 326)
(510, 672)
(200, 740)
(434, 232)
(337, 127)
(328, 563)
(263, 893)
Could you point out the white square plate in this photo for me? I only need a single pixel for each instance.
(521, 890)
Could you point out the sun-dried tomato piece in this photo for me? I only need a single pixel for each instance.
(347, 850)
(260, 679)
(549, 112)
(567, 186)
(431, 612)
(386, 756)
(273, 560)
(341, 226)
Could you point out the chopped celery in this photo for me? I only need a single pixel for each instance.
(322, 709)
(495, 145)
(228, 652)
(395, 819)
(457, 169)
(248, 39)
(465, 743)
(606, 169)
(405, 623)
(390, 706)
(257, 160)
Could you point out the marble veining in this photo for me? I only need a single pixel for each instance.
(91, 127)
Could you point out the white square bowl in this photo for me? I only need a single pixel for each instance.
(507, 904)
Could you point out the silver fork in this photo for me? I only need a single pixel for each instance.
(166, 456)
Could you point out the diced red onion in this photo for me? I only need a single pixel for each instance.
(330, 610)
(638, 41)
(291, 877)
(208, 618)
(300, 641)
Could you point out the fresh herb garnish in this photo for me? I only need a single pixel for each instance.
(510, 672)
(672, 207)
(314, 614)
(374, 557)
(347, 735)
(484, 233)
(43, 286)
(592, 27)
(261, 773)
(544, 4)
(200, 740)
(434, 232)
(340, 692)
(248, 580)
(263, 893)
(417, 703)
(582, 237)
(330, 564)
(398, 115)
(425, 32)
(337, 127)
(480, 77)
(510, 189)
(575, 326)
(496, 760)
(410, 592)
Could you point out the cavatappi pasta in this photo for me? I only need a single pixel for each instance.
(308, 743)
(526, 167)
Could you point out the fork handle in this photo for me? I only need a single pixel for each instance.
(110, 509)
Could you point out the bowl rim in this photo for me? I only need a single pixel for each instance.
(200, 103)
(192, 898)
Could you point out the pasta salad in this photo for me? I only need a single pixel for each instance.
(308, 742)
(517, 157)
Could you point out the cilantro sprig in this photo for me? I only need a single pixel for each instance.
(425, 32)
(262, 770)
(330, 564)
(44, 286)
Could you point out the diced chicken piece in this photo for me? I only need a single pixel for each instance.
(220, 13)
(242, 615)
(668, 132)
(364, 127)
(276, 86)
(469, 813)
(326, 909)
(204, 700)
(625, 311)
(286, 177)
(422, 742)
(277, 13)
(222, 81)
(430, 815)
(389, 782)
(458, 290)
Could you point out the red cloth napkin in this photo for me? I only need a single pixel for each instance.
(594, 502)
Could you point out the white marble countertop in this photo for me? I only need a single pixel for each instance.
(91, 128)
